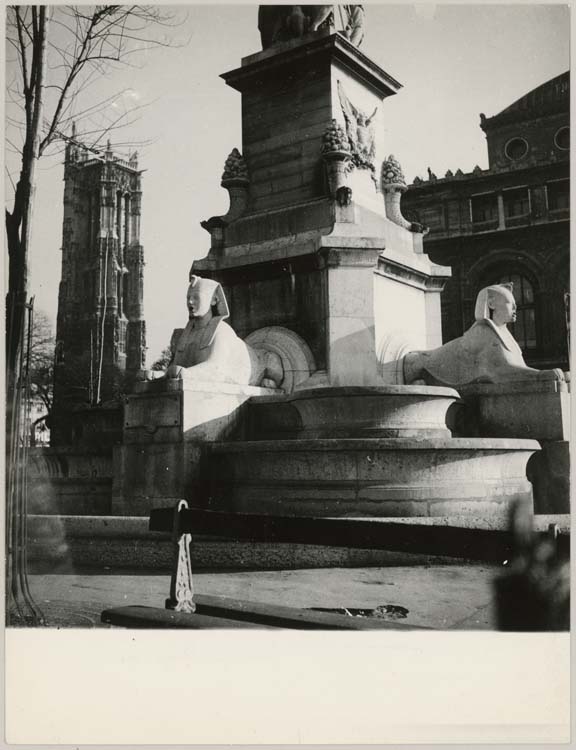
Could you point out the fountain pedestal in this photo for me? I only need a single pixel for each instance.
(167, 425)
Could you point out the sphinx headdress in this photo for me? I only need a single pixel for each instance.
(486, 296)
(220, 307)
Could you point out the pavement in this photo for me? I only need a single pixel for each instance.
(444, 597)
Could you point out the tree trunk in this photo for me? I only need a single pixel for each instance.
(20, 605)
(19, 222)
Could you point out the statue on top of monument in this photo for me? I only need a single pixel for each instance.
(352, 17)
(208, 349)
(279, 23)
(486, 353)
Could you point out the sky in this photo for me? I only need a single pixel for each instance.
(454, 61)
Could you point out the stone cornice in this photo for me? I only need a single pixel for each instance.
(431, 279)
(270, 62)
(350, 257)
(519, 175)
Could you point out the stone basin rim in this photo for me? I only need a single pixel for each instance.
(360, 390)
(375, 444)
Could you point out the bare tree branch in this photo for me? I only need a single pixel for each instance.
(10, 177)
(24, 64)
(76, 67)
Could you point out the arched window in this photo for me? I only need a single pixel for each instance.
(524, 329)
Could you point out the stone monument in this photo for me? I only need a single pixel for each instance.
(307, 402)
(314, 251)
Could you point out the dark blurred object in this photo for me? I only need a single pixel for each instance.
(533, 593)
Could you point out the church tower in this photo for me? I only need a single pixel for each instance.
(101, 332)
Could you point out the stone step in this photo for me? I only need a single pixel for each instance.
(62, 543)
(378, 477)
(70, 496)
(68, 480)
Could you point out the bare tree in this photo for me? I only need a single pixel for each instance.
(164, 360)
(42, 343)
(55, 55)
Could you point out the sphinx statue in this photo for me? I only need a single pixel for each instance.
(208, 349)
(486, 353)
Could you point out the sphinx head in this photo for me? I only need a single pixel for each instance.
(497, 304)
(206, 297)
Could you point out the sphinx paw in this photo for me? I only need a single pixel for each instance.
(556, 374)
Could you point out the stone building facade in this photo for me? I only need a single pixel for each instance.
(101, 332)
(509, 222)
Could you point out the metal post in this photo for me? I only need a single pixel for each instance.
(181, 585)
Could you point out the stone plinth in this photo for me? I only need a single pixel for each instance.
(538, 409)
(154, 475)
(371, 477)
(94, 428)
(406, 307)
(390, 411)
(167, 423)
(69, 480)
(171, 411)
(350, 348)
(289, 96)
(549, 472)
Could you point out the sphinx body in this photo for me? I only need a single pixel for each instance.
(208, 349)
(216, 353)
(486, 353)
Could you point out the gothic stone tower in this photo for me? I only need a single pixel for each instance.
(100, 328)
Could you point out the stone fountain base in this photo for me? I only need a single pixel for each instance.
(345, 412)
(375, 451)
(376, 477)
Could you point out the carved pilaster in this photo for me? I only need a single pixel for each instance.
(135, 211)
(135, 345)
